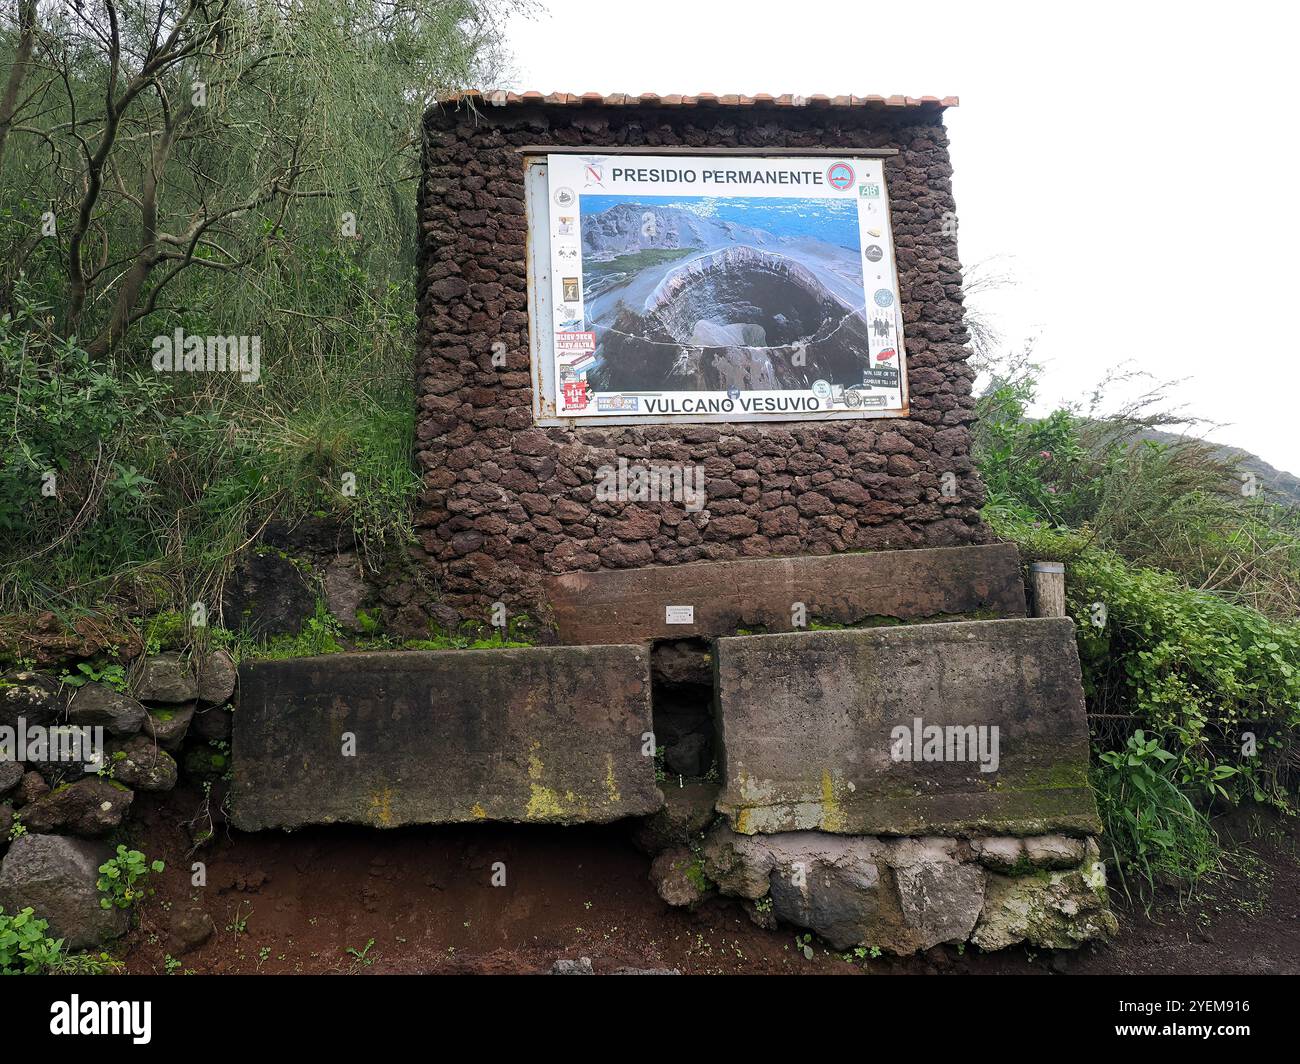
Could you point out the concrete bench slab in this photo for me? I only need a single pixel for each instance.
(941, 583)
(539, 735)
(891, 731)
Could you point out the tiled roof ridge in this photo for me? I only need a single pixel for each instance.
(505, 98)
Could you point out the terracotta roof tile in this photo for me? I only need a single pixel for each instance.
(503, 98)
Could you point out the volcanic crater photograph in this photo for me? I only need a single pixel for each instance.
(708, 294)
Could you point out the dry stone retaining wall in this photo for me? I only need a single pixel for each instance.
(58, 815)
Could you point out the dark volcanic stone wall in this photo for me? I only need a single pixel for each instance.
(506, 501)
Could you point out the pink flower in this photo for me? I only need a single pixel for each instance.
(1045, 454)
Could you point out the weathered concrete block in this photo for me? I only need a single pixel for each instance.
(543, 734)
(817, 730)
(630, 605)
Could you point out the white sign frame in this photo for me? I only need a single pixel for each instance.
(543, 281)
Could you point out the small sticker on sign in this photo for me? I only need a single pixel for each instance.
(679, 614)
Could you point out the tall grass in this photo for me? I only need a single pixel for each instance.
(1176, 506)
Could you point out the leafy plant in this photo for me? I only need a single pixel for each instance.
(25, 948)
(112, 675)
(122, 878)
(1153, 828)
(123, 483)
(362, 956)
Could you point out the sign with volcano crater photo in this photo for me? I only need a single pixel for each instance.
(727, 287)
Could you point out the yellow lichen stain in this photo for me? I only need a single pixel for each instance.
(479, 812)
(832, 818)
(742, 821)
(543, 803)
(381, 807)
(611, 784)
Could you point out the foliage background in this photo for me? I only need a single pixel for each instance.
(1183, 579)
(279, 206)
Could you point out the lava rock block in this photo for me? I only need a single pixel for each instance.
(217, 675)
(690, 756)
(32, 696)
(908, 895)
(212, 724)
(678, 877)
(1052, 910)
(266, 595)
(538, 735)
(96, 705)
(189, 931)
(582, 966)
(687, 813)
(11, 774)
(168, 726)
(817, 730)
(68, 754)
(141, 764)
(56, 875)
(345, 589)
(89, 808)
(682, 661)
(166, 679)
(31, 787)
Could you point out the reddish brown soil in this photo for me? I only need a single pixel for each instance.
(301, 902)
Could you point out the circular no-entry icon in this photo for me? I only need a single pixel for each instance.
(840, 176)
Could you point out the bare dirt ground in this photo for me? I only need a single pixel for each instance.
(348, 900)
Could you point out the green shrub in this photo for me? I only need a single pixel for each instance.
(1179, 506)
(122, 879)
(1217, 683)
(25, 948)
(111, 675)
(1152, 829)
(117, 483)
(320, 635)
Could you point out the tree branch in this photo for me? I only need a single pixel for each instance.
(9, 102)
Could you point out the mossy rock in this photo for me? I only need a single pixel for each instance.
(205, 763)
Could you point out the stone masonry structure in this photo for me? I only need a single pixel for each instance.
(507, 503)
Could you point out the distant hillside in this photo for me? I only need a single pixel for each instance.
(1278, 485)
(628, 228)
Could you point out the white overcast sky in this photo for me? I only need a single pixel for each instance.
(1132, 165)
